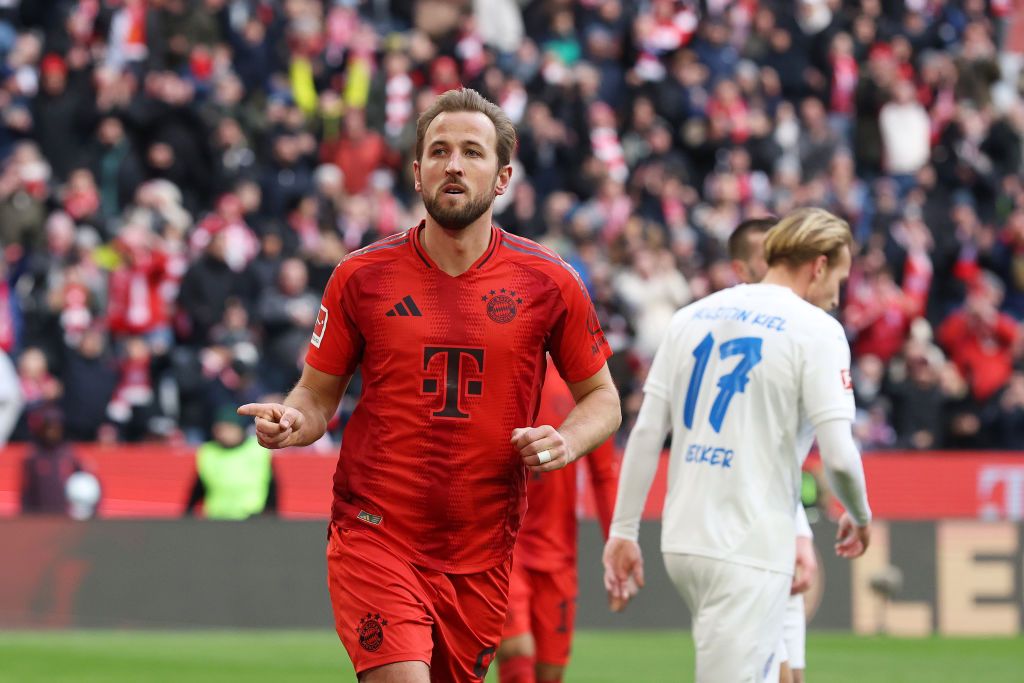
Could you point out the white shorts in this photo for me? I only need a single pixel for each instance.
(781, 656)
(794, 632)
(737, 615)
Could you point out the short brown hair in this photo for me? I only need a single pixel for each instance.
(739, 245)
(804, 235)
(467, 99)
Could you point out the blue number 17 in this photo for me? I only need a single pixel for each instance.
(728, 385)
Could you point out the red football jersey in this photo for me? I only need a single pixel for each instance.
(450, 366)
(547, 541)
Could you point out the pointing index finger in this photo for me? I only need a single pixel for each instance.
(263, 410)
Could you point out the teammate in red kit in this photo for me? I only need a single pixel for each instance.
(542, 593)
(449, 322)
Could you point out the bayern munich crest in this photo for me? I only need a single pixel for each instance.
(502, 305)
(371, 632)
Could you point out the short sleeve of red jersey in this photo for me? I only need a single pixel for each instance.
(337, 344)
(578, 345)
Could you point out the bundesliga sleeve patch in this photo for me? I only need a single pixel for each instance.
(847, 380)
(320, 327)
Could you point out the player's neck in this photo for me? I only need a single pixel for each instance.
(454, 251)
(796, 279)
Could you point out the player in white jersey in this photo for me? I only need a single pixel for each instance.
(794, 622)
(746, 251)
(744, 380)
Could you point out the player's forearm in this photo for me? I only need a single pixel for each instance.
(639, 465)
(596, 417)
(843, 468)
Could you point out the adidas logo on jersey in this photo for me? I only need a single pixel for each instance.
(405, 307)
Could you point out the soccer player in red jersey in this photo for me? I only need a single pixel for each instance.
(449, 322)
(542, 593)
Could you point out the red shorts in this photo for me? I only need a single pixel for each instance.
(544, 604)
(386, 610)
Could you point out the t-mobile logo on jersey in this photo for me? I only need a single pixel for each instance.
(452, 377)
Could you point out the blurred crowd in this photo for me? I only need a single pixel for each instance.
(178, 178)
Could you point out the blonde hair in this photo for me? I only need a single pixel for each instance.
(804, 235)
(467, 99)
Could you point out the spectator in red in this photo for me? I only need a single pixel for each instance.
(915, 239)
(979, 338)
(304, 221)
(843, 75)
(81, 198)
(878, 311)
(241, 244)
(358, 152)
(133, 404)
(604, 142)
(444, 74)
(728, 107)
(667, 27)
(391, 96)
(38, 386)
(136, 305)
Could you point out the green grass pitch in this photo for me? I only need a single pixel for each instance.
(599, 657)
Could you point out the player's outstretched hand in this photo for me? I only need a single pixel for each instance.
(806, 566)
(277, 425)
(543, 449)
(623, 572)
(851, 540)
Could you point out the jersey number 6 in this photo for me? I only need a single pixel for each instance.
(736, 381)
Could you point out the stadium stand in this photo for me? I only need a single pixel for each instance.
(178, 178)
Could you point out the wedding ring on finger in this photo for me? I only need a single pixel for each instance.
(544, 457)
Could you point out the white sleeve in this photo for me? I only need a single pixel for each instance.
(803, 526)
(827, 391)
(843, 468)
(639, 464)
(10, 398)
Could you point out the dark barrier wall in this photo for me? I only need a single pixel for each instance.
(958, 577)
(173, 574)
